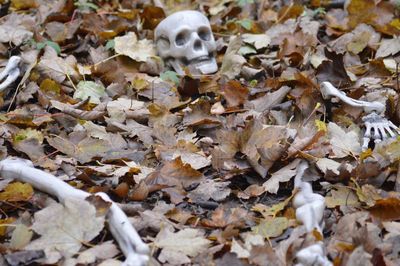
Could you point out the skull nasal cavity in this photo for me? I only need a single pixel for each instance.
(198, 45)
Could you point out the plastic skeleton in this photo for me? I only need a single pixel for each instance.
(10, 73)
(376, 125)
(185, 40)
(309, 211)
(135, 251)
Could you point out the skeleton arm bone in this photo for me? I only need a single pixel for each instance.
(128, 239)
(329, 91)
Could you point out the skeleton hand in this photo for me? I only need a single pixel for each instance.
(378, 127)
(10, 73)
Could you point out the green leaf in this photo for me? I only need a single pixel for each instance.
(170, 76)
(40, 45)
(86, 4)
(53, 45)
(110, 44)
(242, 3)
(91, 89)
(246, 23)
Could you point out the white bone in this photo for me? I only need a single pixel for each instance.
(309, 211)
(10, 72)
(328, 91)
(135, 251)
(381, 128)
(185, 39)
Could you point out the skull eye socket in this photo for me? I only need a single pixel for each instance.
(181, 38)
(204, 34)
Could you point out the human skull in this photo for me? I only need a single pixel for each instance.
(184, 39)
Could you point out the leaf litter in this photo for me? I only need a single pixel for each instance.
(205, 166)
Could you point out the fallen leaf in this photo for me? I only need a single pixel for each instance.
(63, 228)
(4, 224)
(282, 175)
(24, 257)
(137, 50)
(343, 143)
(178, 247)
(342, 196)
(258, 40)
(20, 237)
(209, 189)
(17, 191)
(91, 90)
(102, 251)
(271, 227)
(15, 28)
(386, 209)
(388, 47)
(232, 62)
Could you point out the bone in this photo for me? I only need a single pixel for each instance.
(10, 73)
(135, 251)
(309, 211)
(328, 91)
(186, 43)
(379, 128)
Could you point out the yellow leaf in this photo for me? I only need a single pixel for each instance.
(17, 192)
(321, 126)
(271, 227)
(4, 223)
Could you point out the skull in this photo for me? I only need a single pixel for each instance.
(184, 39)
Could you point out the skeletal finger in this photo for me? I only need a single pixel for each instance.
(382, 132)
(367, 133)
(376, 132)
(390, 131)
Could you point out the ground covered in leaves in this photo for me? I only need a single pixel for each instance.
(203, 167)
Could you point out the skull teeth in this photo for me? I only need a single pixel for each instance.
(200, 59)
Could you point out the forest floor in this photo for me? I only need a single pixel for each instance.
(203, 166)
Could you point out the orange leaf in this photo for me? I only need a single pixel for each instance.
(386, 209)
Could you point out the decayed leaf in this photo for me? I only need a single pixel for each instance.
(283, 175)
(56, 67)
(137, 50)
(264, 144)
(172, 178)
(16, 29)
(386, 209)
(342, 196)
(388, 47)
(84, 150)
(258, 40)
(89, 89)
(21, 236)
(271, 227)
(210, 189)
(178, 247)
(4, 223)
(232, 63)
(343, 143)
(63, 228)
(17, 192)
(103, 251)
